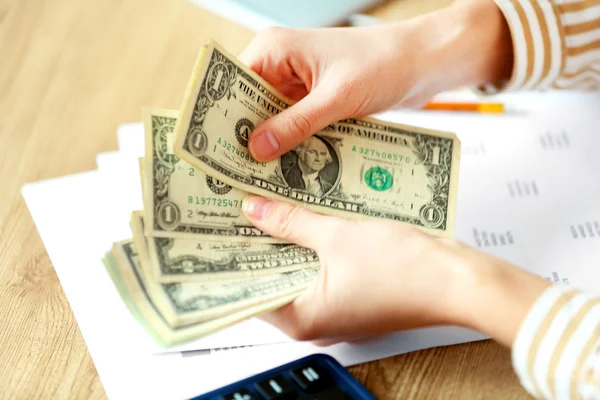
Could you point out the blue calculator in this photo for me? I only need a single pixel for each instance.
(316, 377)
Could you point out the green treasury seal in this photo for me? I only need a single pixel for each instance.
(378, 178)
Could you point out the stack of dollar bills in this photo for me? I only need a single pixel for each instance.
(195, 264)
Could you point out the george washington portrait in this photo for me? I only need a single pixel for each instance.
(312, 167)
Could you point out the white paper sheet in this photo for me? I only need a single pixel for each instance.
(123, 353)
(527, 180)
(533, 205)
(131, 139)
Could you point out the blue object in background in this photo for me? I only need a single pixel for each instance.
(316, 377)
(258, 14)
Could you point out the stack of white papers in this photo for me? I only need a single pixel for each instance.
(528, 193)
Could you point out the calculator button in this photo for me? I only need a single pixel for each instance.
(241, 394)
(311, 377)
(276, 388)
(332, 393)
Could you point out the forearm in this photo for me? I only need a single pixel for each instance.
(496, 296)
(469, 43)
(553, 330)
(465, 44)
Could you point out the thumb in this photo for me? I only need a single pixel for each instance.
(286, 130)
(291, 223)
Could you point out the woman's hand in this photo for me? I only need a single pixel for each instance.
(340, 73)
(379, 277)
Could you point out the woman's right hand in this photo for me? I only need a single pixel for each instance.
(339, 73)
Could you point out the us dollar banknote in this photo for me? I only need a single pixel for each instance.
(178, 312)
(181, 201)
(356, 168)
(183, 260)
(191, 302)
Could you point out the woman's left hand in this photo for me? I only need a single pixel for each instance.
(378, 277)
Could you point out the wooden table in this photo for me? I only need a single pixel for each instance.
(70, 72)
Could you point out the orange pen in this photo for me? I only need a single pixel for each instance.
(496, 108)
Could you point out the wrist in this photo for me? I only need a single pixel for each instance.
(465, 44)
(487, 42)
(494, 297)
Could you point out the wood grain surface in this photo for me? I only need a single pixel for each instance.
(71, 71)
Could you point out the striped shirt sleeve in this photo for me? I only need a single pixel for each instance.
(556, 353)
(556, 44)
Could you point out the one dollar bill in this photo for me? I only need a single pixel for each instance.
(185, 303)
(173, 260)
(169, 312)
(356, 168)
(182, 202)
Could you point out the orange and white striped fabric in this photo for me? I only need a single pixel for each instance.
(557, 351)
(556, 44)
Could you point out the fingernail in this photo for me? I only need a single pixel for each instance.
(256, 207)
(263, 145)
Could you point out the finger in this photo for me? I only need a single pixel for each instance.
(297, 319)
(251, 59)
(288, 319)
(286, 130)
(268, 55)
(277, 73)
(291, 223)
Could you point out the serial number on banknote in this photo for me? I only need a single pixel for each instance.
(381, 154)
(204, 201)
